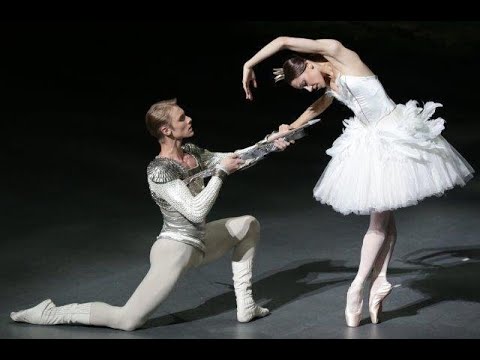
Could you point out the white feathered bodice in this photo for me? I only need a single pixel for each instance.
(364, 95)
(388, 155)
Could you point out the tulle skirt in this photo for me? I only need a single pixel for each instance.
(390, 164)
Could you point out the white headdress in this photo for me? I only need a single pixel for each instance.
(279, 74)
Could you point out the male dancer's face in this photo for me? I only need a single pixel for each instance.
(180, 124)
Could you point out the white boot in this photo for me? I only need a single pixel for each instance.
(46, 313)
(247, 310)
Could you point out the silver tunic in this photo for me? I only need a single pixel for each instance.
(184, 207)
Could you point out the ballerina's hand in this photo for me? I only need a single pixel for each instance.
(248, 77)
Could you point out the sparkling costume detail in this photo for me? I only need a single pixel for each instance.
(184, 207)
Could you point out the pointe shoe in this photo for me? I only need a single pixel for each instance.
(378, 293)
(352, 315)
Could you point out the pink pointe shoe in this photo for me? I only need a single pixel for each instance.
(380, 289)
(353, 312)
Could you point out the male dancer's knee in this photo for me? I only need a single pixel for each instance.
(244, 227)
(130, 322)
(253, 228)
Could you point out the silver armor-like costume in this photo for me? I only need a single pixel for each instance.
(181, 193)
(184, 207)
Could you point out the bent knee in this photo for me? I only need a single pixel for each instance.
(130, 323)
(253, 224)
(244, 226)
(254, 231)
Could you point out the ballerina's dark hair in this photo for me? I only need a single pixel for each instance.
(294, 67)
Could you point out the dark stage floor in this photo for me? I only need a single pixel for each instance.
(307, 258)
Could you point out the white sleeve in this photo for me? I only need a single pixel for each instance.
(194, 208)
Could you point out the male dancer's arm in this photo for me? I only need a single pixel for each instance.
(178, 195)
(209, 160)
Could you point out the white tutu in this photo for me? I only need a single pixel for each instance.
(392, 163)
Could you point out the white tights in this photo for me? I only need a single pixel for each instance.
(169, 260)
(377, 248)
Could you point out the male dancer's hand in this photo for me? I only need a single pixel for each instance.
(231, 163)
(282, 144)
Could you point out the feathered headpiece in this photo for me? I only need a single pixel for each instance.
(279, 74)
